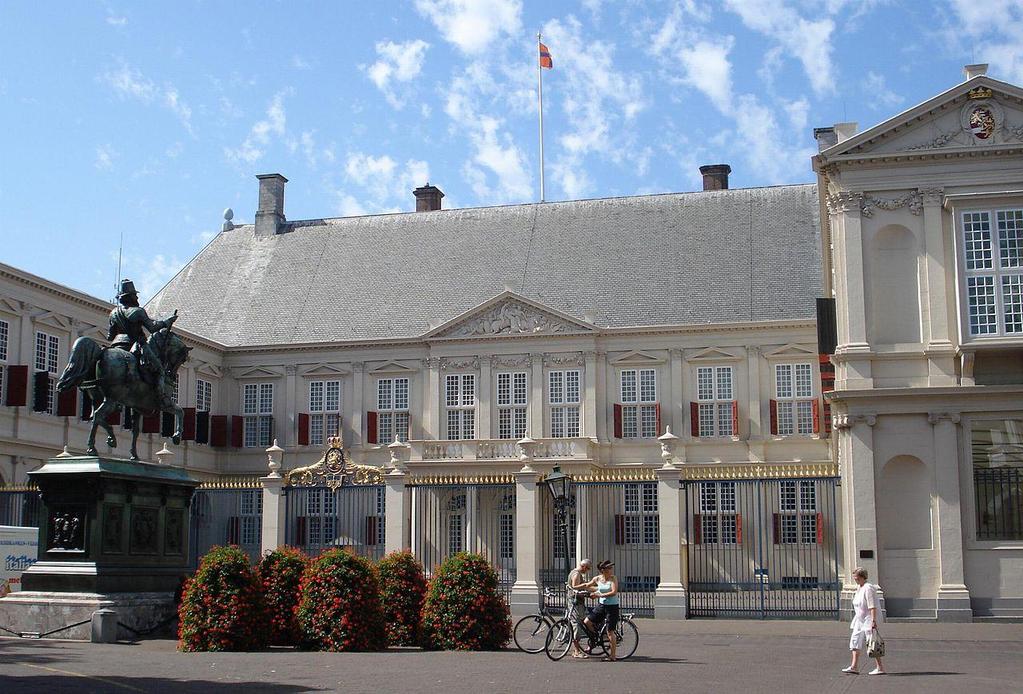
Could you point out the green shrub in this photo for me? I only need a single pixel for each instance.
(280, 573)
(463, 610)
(402, 590)
(222, 606)
(339, 604)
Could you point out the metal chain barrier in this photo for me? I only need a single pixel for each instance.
(36, 635)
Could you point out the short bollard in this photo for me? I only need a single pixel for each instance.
(104, 626)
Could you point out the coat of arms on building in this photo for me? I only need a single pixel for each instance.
(333, 470)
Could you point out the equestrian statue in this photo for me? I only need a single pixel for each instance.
(133, 373)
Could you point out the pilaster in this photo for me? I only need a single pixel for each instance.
(396, 510)
(358, 406)
(589, 423)
(677, 405)
(525, 594)
(291, 396)
(431, 398)
(536, 396)
(940, 357)
(486, 422)
(756, 430)
(600, 397)
(953, 599)
(856, 462)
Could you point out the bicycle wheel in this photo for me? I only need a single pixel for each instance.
(531, 633)
(628, 639)
(559, 640)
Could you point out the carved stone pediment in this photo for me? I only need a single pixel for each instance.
(510, 316)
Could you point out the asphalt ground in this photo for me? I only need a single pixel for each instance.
(690, 656)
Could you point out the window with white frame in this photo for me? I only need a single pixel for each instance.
(715, 396)
(203, 395)
(506, 542)
(251, 512)
(174, 387)
(460, 406)
(793, 389)
(4, 336)
(320, 517)
(456, 524)
(47, 357)
(992, 243)
(718, 521)
(563, 396)
(392, 409)
(381, 518)
(797, 517)
(257, 410)
(512, 401)
(639, 403)
(324, 411)
(641, 519)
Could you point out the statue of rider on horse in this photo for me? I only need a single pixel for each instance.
(133, 373)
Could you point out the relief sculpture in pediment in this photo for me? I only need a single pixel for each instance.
(509, 318)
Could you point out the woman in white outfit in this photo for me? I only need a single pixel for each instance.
(866, 617)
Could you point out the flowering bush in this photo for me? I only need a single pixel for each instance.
(280, 573)
(339, 604)
(402, 590)
(463, 610)
(222, 606)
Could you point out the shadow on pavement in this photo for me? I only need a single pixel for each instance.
(920, 674)
(61, 683)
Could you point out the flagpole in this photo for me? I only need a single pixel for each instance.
(539, 84)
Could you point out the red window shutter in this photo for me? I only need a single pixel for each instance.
(827, 418)
(188, 425)
(151, 423)
(237, 431)
(371, 530)
(816, 417)
(67, 403)
(234, 529)
(300, 531)
(735, 417)
(619, 529)
(694, 419)
(774, 418)
(218, 430)
(17, 386)
(371, 427)
(114, 418)
(618, 420)
(777, 529)
(820, 528)
(202, 427)
(738, 528)
(697, 529)
(303, 429)
(657, 414)
(40, 391)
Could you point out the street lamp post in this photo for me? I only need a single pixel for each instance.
(557, 484)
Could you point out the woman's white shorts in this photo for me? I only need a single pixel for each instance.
(857, 641)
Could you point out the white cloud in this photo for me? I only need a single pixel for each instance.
(150, 273)
(300, 63)
(708, 69)
(993, 30)
(396, 62)
(254, 146)
(385, 184)
(105, 155)
(472, 25)
(880, 96)
(764, 143)
(129, 82)
(116, 21)
(809, 41)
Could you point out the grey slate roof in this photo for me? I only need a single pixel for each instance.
(687, 258)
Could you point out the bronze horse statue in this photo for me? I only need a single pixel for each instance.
(111, 377)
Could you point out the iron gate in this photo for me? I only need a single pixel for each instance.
(610, 520)
(20, 507)
(321, 518)
(226, 517)
(451, 518)
(763, 548)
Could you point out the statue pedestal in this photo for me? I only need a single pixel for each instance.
(114, 534)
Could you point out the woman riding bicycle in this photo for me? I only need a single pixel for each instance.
(606, 592)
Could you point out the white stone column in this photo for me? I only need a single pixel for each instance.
(288, 434)
(274, 504)
(670, 598)
(953, 599)
(431, 399)
(589, 395)
(525, 594)
(536, 396)
(856, 461)
(754, 402)
(854, 349)
(486, 388)
(358, 406)
(396, 510)
(600, 397)
(678, 404)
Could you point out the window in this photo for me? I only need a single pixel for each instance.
(798, 520)
(997, 446)
(640, 413)
(392, 409)
(47, 355)
(320, 517)
(718, 522)
(456, 524)
(324, 411)
(174, 388)
(203, 396)
(715, 401)
(379, 525)
(251, 512)
(793, 389)
(641, 519)
(512, 398)
(506, 543)
(993, 264)
(4, 334)
(258, 408)
(460, 401)
(563, 395)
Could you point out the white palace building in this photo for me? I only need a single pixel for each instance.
(663, 350)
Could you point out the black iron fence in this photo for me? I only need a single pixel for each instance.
(226, 517)
(320, 518)
(20, 507)
(451, 518)
(762, 548)
(999, 500)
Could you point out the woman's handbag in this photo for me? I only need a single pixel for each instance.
(875, 645)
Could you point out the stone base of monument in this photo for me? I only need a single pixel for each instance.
(114, 534)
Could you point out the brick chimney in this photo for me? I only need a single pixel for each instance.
(270, 213)
(715, 176)
(428, 198)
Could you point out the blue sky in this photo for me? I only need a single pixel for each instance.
(148, 119)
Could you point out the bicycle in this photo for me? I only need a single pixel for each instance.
(563, 633)
(530, 632)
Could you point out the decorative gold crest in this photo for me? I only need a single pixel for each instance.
(333, 470)
(980, 93)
